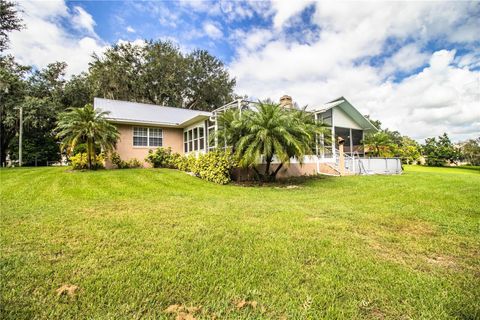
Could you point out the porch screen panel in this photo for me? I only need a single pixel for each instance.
(345, 134)
(326, 117)
(201, 136)
(357, 141)
(328, 143)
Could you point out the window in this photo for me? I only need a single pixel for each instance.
(155, 137)
(185, 142)
(140, 136)
(147, 137)
(194, 139)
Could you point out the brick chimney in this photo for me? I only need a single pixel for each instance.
(286, 101)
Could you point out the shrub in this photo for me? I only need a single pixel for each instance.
(162, 158)
(215, 166)
(80, 161)
(122, 164)
(134, 163)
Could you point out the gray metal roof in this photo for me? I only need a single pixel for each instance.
(143, 113)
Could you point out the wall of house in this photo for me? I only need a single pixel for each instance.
(172, 137)
(341, 119)
(292, 170)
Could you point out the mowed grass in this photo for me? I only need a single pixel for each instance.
(137, 241)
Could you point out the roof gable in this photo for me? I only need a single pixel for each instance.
(349, 109)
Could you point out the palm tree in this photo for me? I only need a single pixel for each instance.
(231, 127)
(379, 143)
(271, 131)
(89, 126)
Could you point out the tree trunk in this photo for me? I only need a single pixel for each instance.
(267, 168)
(89, 154)
(274, 173)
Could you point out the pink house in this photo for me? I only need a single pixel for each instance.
(145, 127)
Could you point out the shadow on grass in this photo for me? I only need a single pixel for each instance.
(287, 183)
(473, 168)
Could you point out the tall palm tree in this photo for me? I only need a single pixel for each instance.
(275, 131)
(89, 126)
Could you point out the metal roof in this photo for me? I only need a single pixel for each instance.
(143, 113)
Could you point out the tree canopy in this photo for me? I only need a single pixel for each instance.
(158, 72)
(9, 21)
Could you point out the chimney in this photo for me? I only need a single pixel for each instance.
(286, 101)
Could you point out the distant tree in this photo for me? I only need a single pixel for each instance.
(409, 151)
(208, 84)
(387, 143)
(89, 126)
(470, 151)
(376, 123)
(157, 72)
(13, 89)
(9, 21)
(164, 75)
(439, 152)
(78, 91)
(117, 73)
(379, 144)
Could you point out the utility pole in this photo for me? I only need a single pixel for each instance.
(20, 138)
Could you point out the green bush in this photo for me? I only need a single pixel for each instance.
(134, 163)
(214, 166)
(80, 161)
(162, 158)
(122, 164)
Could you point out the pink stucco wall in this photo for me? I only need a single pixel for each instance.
(292, 170)
(172, 137)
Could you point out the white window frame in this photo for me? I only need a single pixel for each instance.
(190, 142)
(148, 137)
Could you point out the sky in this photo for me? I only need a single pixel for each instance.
(415, 66)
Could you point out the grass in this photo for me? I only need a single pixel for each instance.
(136, 241)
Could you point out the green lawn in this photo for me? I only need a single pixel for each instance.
(136, 241)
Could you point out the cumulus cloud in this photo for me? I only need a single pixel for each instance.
(284, 10)
(130, 29)
(45, 40)
(212, 30)
(377, 56)
(82, 20)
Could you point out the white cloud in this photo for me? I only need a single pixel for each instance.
(406, 58)
(212, 30)
(82, 20)
(44, 40)
(284, 10)
(440, 98)
(130, 29)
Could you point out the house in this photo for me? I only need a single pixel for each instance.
(145, 127)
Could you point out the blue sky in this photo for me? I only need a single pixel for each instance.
(415, 66)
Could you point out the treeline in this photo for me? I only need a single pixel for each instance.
(153, 72)
(435, 151)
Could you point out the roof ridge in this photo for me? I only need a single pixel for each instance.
(151, 104)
